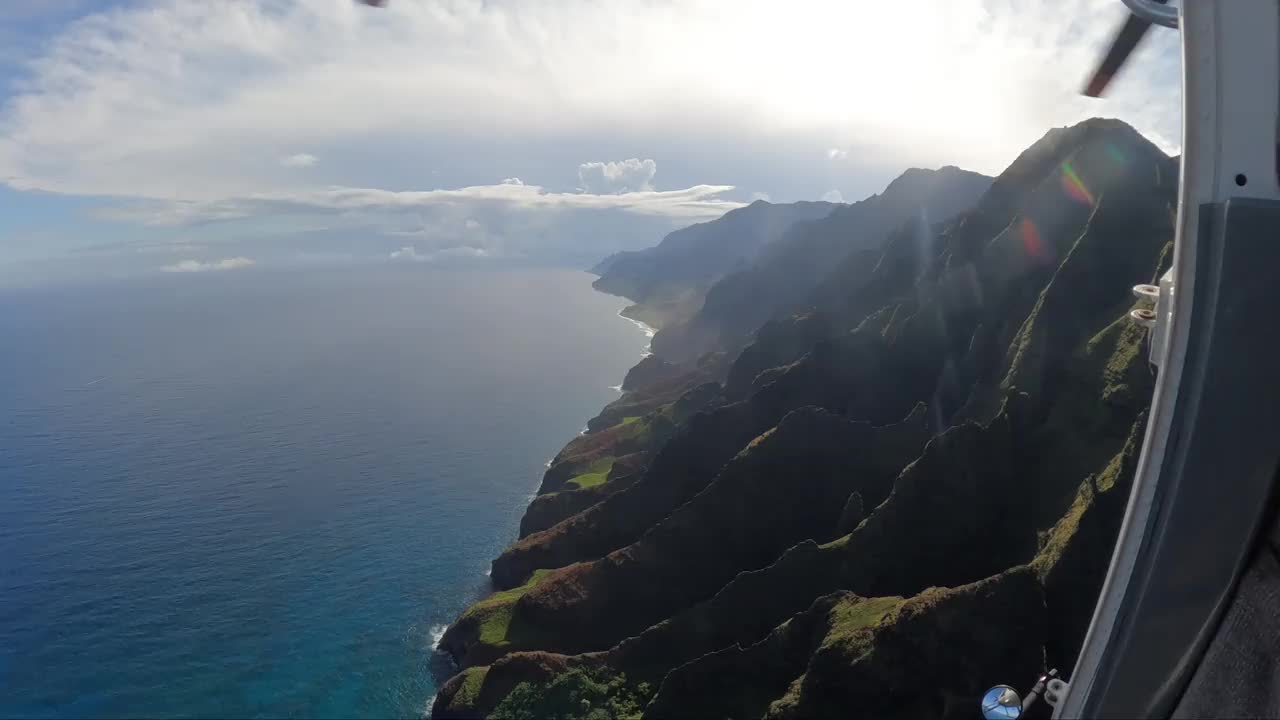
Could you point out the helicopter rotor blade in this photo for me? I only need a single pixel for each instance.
(1125, 41)
(1130, 34)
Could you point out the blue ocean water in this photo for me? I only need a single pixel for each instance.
(260, 494)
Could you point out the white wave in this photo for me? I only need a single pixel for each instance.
(437, 634)
(616, 388)
(644, 328)
(648, 331)
(488, 572)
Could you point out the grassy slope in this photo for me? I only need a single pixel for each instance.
(596, 474)
(494, 612)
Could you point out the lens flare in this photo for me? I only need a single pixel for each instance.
(1117, 154)
(1074, 186)
(1032, 245)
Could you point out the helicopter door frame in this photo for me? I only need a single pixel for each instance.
(1204, 480)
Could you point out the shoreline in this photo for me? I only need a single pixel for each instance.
(648, 330)
(437, 637)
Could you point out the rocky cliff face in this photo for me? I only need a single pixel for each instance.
(891, 498)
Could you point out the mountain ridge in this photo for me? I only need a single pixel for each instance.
(940, 435)
(766, 273)
(667, 281)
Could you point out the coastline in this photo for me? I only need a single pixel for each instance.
(439, 632)
(648, 330)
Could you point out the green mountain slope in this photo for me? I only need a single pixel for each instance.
(906, 476)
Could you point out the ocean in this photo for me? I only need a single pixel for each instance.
(263, 494)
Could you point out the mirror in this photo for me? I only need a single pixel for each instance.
(1001, 703)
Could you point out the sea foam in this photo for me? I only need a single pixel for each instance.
(648, 331)
(437, 633)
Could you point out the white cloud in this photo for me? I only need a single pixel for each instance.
(410, 253)
(190, 266)
(617, 176)
(696, 203)
(464, 252)
(833, 196)
(145, 100)
(299, 160)
(197, 114)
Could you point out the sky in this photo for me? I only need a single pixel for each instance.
(190, 136)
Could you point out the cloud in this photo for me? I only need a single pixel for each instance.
(407, 252)
(696, 203)
(837, 154)
(191, 266)
(170, 246)
(299, 160)
(833, 196)
(507, 221)
(411, 254)
(144, 100)
(617, 176)
(199, 115)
